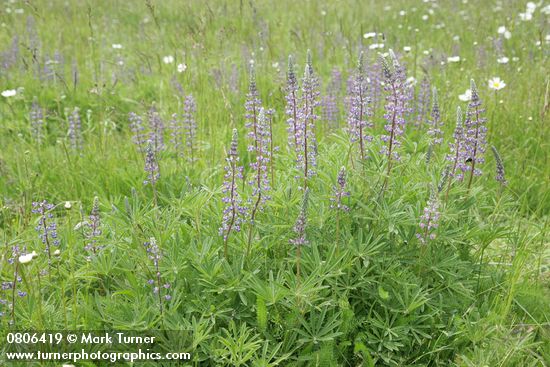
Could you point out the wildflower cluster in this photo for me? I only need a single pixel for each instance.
(154, 253)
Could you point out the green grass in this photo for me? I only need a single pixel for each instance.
(477, 295)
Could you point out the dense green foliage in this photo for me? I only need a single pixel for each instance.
(368, 293)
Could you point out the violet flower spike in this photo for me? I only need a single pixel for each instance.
(396, 107)
(176, 134)
(339, 192)
(457, 156)
(307, 142)
(429, 220)
(434, 131)
(94, 230)
(46, 227)
(154, 254)
(136, 126)
(301, 223)
(422, 102)
(190, 126)
(36, 117)
(156, 126)
(75, 129)
(291, 108)
(500, 175)
(359, 111)
(234, 213)
(260, 166)
(475, 134)
(151, 166)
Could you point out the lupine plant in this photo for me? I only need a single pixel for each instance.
(339, 193)
(152, 169)
(234, 213)
(156, 130)
(160, 287)
(75, 129)
(36, 117)
(434, 131)
(94, 230)
(18, 256)
(138, 136)
(457, 156)
(190, 126)
(429, 220)
(396, 108)
(422, 102)
(359, 112)
(176, 134)
(292, 103)
(46, 228)
(474, 134)
(500, 175)
(306, 118)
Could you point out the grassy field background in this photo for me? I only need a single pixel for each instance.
(371, 294)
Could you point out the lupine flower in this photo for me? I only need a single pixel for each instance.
(292, 103)
(151, 166)
(36, 117)
(75, 129)
(190, 126)
(423, 102)
(496, 83)
(156, 126)
(429, 220)
(359, 111)
(94, 226)
(234, 213)
(46, 227)
(500, 176)
(154, 253)
(176, 134)
(305, 136)
(435, 122)
(301, 222)
(340, 192)
(16, 254)
(396, 107)
(457, 156)
(136, 126)
(261, 146)
(474, 135)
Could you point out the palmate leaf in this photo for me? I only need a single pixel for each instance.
(319, 327)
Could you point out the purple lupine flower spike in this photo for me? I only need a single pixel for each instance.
(396, 107)
(339, 192)
(155, 255)
(457, 155)
(359, 111)
(136, 126)
(12, 286)
(307, 143)
(36, 117)
(429, 220)
(435, 122)
(176, 134)
(234, 213)
(500, 175)
(292, 103)
(475, 134)
(260, 166)
(152, 169)
(75, 129)
(156, 126)
(190, 126)
(301, 222)
(94, 230)
(252, 107)
(46, 227)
